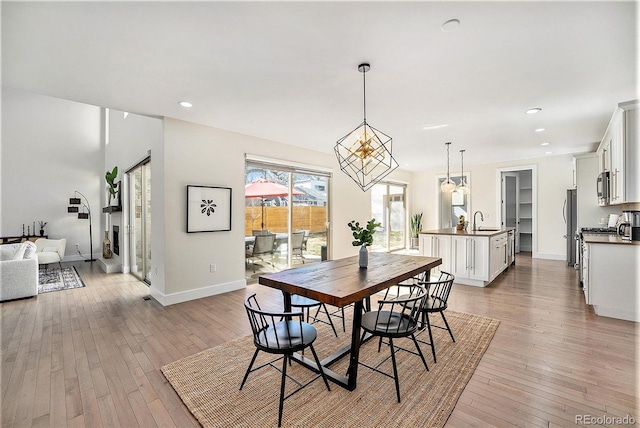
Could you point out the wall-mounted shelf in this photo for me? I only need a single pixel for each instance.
(112, 209)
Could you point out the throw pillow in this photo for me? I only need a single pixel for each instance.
(19, 254)
(30, 249)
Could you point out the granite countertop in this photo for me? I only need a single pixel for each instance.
(453, 231)
(598, 238)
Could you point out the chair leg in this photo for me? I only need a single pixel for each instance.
(246, 375)
(433, 348)
(447, 324)
(324, 377)
(329, 318)
(420, 352)
(284, 377)
(395, 368)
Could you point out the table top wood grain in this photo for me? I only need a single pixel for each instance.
(341, 282)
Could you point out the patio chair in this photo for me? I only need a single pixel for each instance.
(297, 240)
(263, 247)
(280, 333)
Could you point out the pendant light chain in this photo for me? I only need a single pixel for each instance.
(364, 95)
(448, 144)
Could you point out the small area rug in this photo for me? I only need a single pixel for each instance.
(208, 382)
(56, 279)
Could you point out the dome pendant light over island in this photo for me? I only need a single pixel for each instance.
(463, 187)
(448, 185)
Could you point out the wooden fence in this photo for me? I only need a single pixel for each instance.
(313, 219)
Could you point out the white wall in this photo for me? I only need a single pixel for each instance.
(50, 148)
(197, 154)
(554, 177)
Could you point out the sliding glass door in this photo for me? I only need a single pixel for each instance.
(140, 220)
(388, 208)
(289, 203)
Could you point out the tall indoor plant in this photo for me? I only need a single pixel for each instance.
(363, 238)
(416, 228)
(110, 178)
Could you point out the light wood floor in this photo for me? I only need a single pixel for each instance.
(91, 356)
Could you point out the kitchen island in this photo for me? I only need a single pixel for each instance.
(610, 276)
(473, 257)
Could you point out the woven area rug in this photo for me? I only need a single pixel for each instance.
(208, 382)
(56, 279)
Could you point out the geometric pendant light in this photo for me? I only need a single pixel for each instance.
(448, 185)
(365, 154)
(463, 187)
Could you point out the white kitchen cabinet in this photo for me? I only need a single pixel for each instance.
(619, 154)
(498, 254)
(610, 280)
(470, 259)
(437, 246)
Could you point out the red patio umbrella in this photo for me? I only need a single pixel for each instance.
(262, 188)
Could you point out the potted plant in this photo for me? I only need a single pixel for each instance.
(42, 225)
(110, 178)
(462, 224)
(416, 228)
(363, 237)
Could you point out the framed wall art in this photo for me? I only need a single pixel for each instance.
(208, 209)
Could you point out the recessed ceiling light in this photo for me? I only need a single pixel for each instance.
(544, 144)
(540, 130)
(435, 126)
(186, 104)
(533, 110)
(450, 25)
(547, 153)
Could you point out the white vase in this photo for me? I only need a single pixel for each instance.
(363, 257)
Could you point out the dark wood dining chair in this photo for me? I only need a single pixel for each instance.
(436, 301)
(281, 333)
(396, 318)
(306, 304)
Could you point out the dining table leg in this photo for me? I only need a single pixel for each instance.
(355, 345)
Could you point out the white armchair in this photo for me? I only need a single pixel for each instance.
(50, 250)
(18, 271)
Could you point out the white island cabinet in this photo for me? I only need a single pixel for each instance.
(474, 258)
(437, 246)
(611, 277)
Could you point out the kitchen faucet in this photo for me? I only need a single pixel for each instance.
(474, 219)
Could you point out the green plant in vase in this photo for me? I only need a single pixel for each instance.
(363, 238)
(416, 227)
(110, 178)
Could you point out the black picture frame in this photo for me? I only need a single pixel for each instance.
(208, 209)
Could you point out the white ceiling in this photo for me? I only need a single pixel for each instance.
(287, 71)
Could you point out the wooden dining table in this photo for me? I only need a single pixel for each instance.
(340, 283)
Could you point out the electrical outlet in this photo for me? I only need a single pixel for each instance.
(77, 246)
(212, 267)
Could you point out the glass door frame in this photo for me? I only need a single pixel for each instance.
(388, 214)
(145, 211)
(291, 170)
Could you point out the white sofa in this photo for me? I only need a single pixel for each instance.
(18, 271)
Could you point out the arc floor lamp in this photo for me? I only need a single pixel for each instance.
(74, 208)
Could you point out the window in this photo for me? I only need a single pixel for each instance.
(388, 208)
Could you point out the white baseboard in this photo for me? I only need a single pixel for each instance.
(199, 293)
(550, 256)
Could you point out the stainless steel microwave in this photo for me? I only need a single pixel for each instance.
(603, 188)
